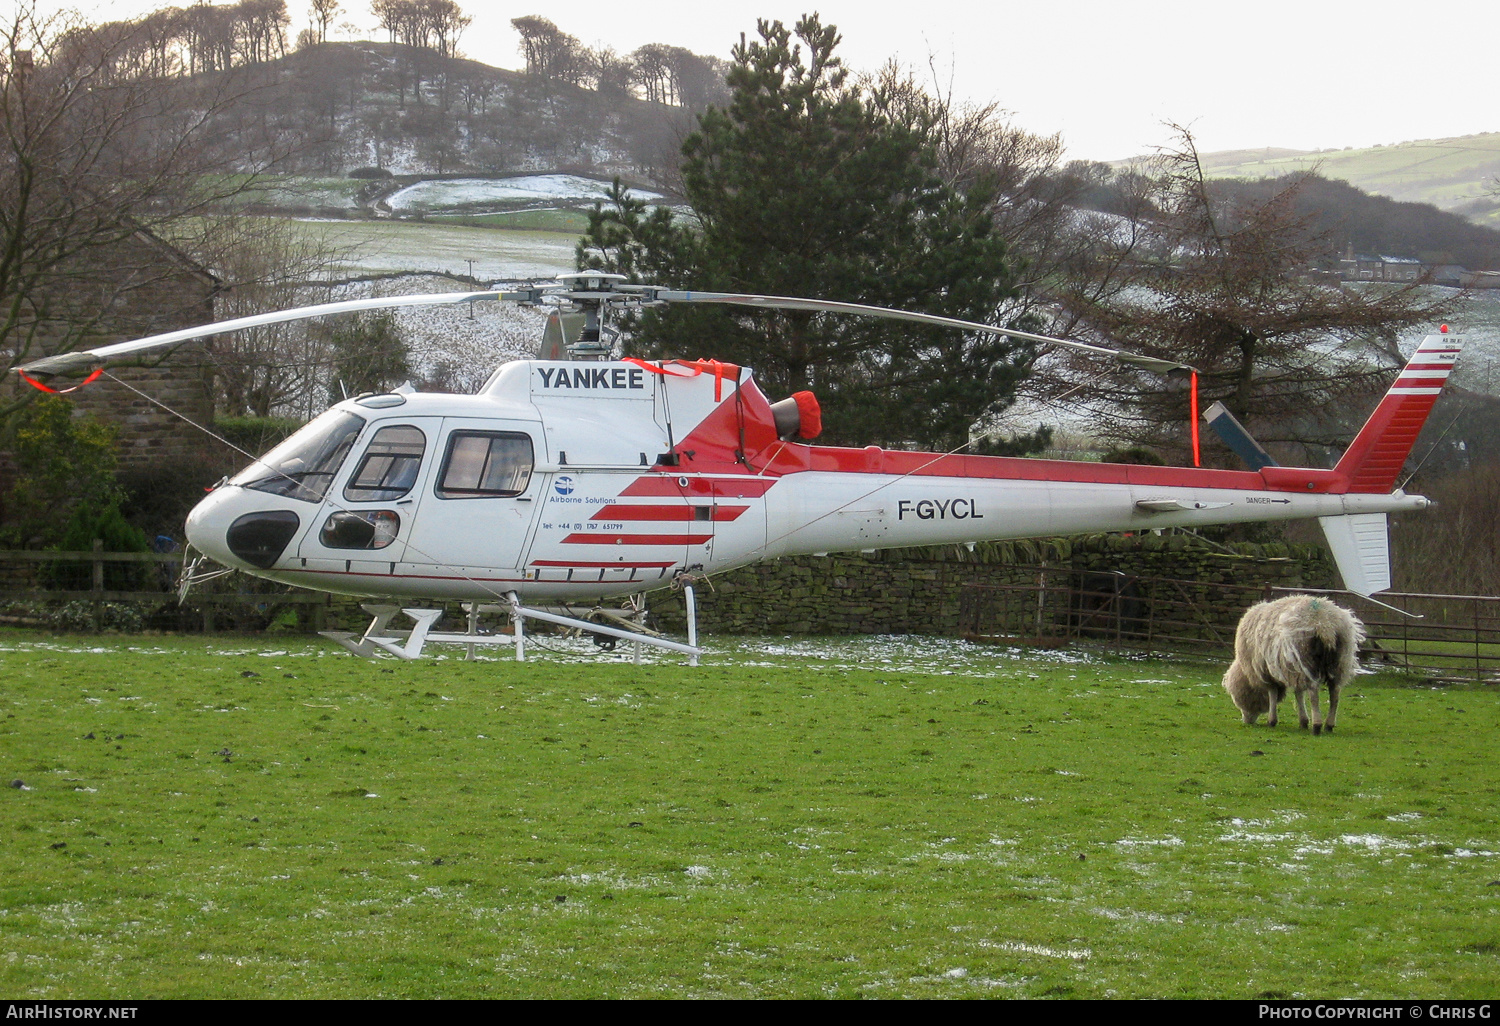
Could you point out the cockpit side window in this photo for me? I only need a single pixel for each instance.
(389, 467)
(486, 464)
(304, 465)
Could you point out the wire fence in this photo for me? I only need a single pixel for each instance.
(1447, 637)
(101, 579)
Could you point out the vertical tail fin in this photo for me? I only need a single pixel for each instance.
(1375, 457)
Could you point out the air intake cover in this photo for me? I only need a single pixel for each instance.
(258, 538)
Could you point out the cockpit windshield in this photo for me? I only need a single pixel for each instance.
(303, 466)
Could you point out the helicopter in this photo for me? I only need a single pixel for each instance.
(583, 478)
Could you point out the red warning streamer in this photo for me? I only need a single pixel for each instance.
(60, 391)
(1197, 462)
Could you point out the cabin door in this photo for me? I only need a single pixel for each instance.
(476, 514)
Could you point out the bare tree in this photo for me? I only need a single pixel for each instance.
(608, 72)
(266, 264)
(653, 72)
(260, 30)
(551, 54)
(391, 15)
(446, 22)
(97, 171)
(323, 12)
(1231, 286)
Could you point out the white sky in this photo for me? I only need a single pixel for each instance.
(1305, 74)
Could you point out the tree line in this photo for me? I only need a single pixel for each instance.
(183, 41)
(434, 25)
(660, 73)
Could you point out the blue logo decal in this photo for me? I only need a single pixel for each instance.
(563, 486)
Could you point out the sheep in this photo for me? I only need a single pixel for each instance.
(1299, 642)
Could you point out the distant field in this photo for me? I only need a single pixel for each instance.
(381, 246)
(303, 192)
(575, 222)
(862, 817)
(1448, 173)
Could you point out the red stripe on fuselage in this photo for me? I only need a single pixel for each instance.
(658, 485)
(614, 538)
(720, 513)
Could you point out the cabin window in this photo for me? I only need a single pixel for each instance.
(389, 467)
(304, 465)
(361, 529)
(486, 463)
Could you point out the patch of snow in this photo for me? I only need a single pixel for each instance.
(474, 192)
(1077, 954)
(1374, 842)
(1155, 842)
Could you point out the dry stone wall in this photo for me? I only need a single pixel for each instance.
(918, 591)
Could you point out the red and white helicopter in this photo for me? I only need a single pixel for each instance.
(567, 481)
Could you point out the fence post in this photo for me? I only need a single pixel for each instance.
(97, 615)
(1041, 599)
(1477, 675)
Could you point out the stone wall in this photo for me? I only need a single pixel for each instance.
(920, 591)
(150, 436)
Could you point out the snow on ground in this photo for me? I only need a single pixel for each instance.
(894, 653)
(470, 193)
(888, 653)
(459, 344)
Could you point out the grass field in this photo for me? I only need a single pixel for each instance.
(553, 219)
(878, 817)
(376, 247)
(1444, 172)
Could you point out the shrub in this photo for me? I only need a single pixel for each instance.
(109, 526)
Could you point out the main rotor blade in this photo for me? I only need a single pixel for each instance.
(827, 306)
(86, 358)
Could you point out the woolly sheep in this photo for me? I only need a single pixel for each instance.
(1299, 642)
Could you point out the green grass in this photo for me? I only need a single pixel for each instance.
(297, 190)
(867, 818)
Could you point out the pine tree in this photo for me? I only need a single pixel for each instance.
(369, 354)
(804, 186)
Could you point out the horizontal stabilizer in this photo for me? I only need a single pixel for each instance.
(1361, 548)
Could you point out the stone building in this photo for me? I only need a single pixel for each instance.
(146, 286)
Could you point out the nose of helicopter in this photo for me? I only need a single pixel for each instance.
(224, 529)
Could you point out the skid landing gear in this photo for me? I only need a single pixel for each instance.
(408, 644)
